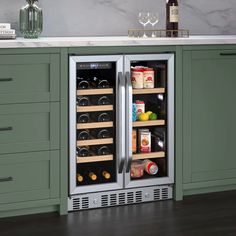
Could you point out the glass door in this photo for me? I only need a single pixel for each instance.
(149, 119)
(95, 118)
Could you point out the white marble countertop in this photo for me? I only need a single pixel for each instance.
(114, 41)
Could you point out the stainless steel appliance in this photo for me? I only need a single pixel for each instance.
(112, 169)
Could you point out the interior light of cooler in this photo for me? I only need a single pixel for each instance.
(94, 65)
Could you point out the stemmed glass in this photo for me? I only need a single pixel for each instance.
(153, 19)
(143, 18)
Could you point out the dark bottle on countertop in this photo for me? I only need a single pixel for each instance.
(172, 17)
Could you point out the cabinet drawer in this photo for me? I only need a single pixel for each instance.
(29, 78)
(29, 127)
(29, 176)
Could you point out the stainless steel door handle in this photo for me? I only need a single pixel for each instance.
(121, 141)
(6, 179)
(128, 121)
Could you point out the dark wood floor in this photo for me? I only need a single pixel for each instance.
(209, 214)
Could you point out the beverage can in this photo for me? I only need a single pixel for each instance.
(137, 78)
(144, 141)
(148, 78)
(150, 167)
(140, 107)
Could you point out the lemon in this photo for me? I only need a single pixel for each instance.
(149, 113)
(143, 116)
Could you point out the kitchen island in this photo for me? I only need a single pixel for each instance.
(34, 90)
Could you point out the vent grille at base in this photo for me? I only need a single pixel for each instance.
(119, 197)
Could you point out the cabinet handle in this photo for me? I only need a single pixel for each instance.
(228, 54)
(6, 128)
(6, 179)
(5, 79)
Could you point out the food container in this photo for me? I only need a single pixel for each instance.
(134, 112)
(134, 140)
(137, 78)
(137, 169)
(144, 141)
(148, 78)
(140, 107)
(150, 167)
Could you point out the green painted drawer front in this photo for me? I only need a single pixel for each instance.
(209, 116)
(29, 78)
(29, 127)
(29, 176)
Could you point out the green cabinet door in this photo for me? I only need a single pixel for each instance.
(29, 127)
(29, 78)
(209, 120)
(29, 176)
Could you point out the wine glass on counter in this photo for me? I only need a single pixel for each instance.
(143, 18)
(153, 20)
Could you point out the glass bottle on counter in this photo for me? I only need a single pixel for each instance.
(172, 17)
(31, 20)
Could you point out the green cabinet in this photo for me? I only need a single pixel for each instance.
(29, 127)
(29, 176)
(29, 78)
(30, 137)
(209, 120)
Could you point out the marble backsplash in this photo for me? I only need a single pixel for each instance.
(115, 17)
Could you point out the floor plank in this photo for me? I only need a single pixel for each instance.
(208, 214)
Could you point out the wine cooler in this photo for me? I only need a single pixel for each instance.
(121, 129)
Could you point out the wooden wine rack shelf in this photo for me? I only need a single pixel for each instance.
(94, 108)
(148, 123)
(94, 159)
(92, 142)
(149, 91)
(94, 125)
(82, 92)
(148, 155)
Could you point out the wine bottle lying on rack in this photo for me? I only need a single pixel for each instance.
(100, 134)
(92, 176)
(80, 178)
(82, 151)
(82, 101)
(106, 175)
(83, 135)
